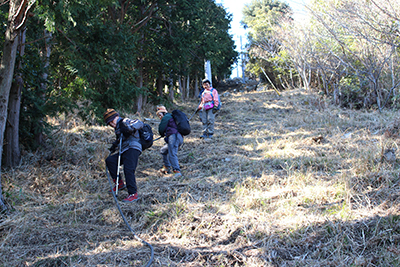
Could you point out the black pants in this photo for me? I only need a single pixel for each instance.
(130, 160)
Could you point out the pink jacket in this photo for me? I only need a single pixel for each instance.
(206, 97)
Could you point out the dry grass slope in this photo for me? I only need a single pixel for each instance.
(287, 181)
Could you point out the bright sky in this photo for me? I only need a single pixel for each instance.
(239, 34)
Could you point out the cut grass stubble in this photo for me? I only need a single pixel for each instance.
(288, 180)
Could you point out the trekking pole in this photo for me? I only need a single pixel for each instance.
(193, 114)
(126, 222)
(157, 138)
(119, 161)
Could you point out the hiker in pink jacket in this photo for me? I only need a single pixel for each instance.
(209, 106)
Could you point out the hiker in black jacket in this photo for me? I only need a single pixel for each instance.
(131, 149)
(174, 140)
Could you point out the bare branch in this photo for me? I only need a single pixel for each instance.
(25, 15)
(3, 2)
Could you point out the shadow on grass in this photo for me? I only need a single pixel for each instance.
(369, 242)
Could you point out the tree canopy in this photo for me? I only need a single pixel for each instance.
(102, 53)
(105, 52)
(261, 18)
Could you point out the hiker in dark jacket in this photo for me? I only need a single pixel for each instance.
(174, 140)
(131, 149)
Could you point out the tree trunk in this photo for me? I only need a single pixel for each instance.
(378, 94)
(181, 82)
(140, 66)
(139, 102)
(282, 82)
(187, 87)
(15, 21)
(140, 98)
(46, 52)
(145, 100)
(291, 78)
(196, 87)
(6, 75)
(12, 153)
(305, 79)
(159, 85)
(171, 89)
(336, 94)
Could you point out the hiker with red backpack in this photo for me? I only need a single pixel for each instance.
(130, 148)
(208, 106)
(173, 138)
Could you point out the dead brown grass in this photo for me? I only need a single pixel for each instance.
(287, 181)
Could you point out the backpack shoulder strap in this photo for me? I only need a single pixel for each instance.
(212, 96)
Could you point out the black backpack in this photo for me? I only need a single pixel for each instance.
(181, 121)
(146, 136)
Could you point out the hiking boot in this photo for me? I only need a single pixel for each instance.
(204, 136)
(210, 136)
(131, 198)
(121, 186)
(177, 174)
(165, 170)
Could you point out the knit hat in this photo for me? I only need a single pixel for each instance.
(110, 115)
(161, 109)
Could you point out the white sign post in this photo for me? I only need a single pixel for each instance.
(207, 70)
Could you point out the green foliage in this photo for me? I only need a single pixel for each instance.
(100, 50)
(192, 38)
(99, 58)
(37, 98)
(3, 18)
(36, 102)
(351, 89)
(262, 17)
(92, 59)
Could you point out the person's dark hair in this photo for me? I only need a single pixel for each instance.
(206, 81)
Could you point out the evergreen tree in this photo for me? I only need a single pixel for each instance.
(261, 17)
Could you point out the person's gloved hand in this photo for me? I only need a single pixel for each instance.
(124, 129)
(198, 109)
(114, 146)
